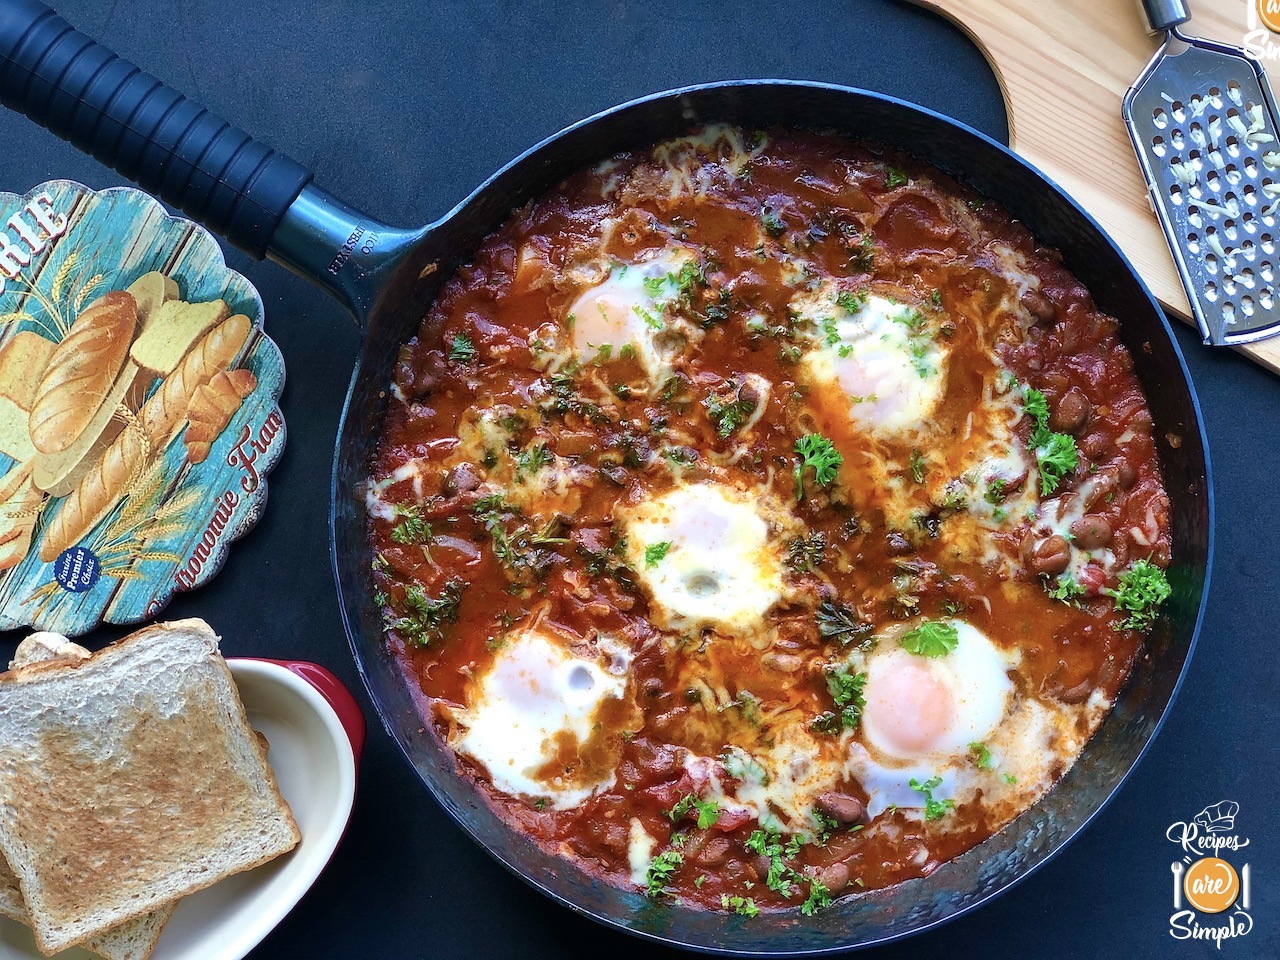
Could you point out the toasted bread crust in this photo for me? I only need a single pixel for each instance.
(190, 799)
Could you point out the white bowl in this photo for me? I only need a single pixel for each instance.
(315, 732)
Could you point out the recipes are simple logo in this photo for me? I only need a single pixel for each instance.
(1264, 24)
(1210, 895)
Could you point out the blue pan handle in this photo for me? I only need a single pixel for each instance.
(262, 201)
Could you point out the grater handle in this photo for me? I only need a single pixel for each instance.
(1165, 14)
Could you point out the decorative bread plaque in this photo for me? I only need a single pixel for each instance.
(138, 407)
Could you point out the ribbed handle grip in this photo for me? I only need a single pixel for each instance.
(130, 121)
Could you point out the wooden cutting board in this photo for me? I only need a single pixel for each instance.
(1064, 66)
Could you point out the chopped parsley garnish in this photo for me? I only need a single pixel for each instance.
(1056, 453)
(1036, 407)
(655, 552)
(837, 621)
(933, 638)
(805, 554)
(518, 547)
(782, 878)
(863, 256)
(729, 415)
(819, 898)
(933, 809)
(411, 528)
(1058, 458)
(850, 302)
(424, 617)
(654, 286)
(820, 455)
(1063, 588)
(773, 224)
(894, 177)
(461, 349)
(1143, 587)
(919, 467)
(740, 905)
(846, 690)
(995, 491)
(708, 811)
(1010, 778)
(534, 459)
(660, 870)
(982, 756)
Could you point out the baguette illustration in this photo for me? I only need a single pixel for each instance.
(212, 408)
(146, 436)
(81, 372)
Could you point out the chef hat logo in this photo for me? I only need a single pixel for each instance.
(1218, 818)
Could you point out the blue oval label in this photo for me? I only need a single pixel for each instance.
(77, 569)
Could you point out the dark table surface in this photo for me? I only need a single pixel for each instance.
(401, 107)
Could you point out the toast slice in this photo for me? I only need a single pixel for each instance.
(134, 940)
(131, 779)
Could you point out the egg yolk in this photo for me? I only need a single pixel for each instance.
(604, 318)
(909, 707)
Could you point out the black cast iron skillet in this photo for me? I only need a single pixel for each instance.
(265, 204)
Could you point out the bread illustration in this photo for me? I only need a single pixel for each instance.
(20, 504)
(156, 422)
(172, 331)
(149, 291)
(82, 371)
(22, 361)
(212, 408)
(57, 474)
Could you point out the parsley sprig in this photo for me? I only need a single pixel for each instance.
(661, 869)
(425, 616)
(1143, 588)
(933, 638)
(655, 552)
(708, 811)
(933, 809)
(1056, 453)
(819, 456)
(846, 689)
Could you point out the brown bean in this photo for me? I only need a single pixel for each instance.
(842, 808)
(713, 853)
(899, 545)
(835, 876)
(1127, 474)
(1091, 531)
(1050, 556)
(1072, 412)
(1039, 306)
(1094, 445)
(461, 479)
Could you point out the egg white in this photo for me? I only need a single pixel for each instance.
(534, 690)
(627, 310)
(723, 567)
(877, 359)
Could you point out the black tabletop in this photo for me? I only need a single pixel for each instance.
(402, 107)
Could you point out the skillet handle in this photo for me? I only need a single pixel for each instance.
(260, 200)
(130, 121)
